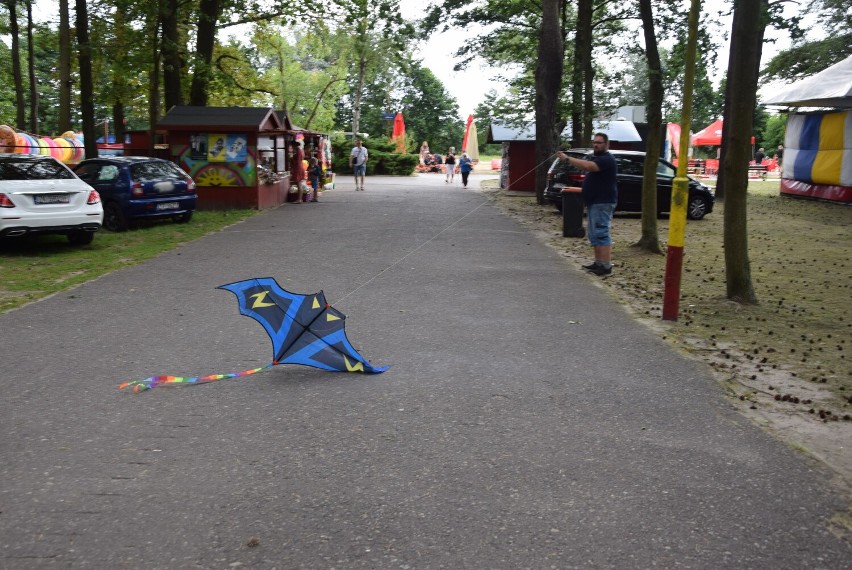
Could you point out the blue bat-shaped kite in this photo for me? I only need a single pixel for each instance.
(304, 329)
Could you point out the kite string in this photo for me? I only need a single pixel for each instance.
(404, 257)
(431, 239)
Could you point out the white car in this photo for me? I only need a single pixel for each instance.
(39, 194)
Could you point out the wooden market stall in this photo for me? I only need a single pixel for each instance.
(236, 155)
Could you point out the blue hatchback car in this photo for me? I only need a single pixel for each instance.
(139, 187)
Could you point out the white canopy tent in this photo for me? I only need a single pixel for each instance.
(831, 87)
(620, 130)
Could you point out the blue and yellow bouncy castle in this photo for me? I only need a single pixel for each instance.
(818, 156)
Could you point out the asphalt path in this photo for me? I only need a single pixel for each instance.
(526, 420)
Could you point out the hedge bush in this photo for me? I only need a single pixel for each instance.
(383, 158)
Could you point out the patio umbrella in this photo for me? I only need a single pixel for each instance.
(711, 135)
(398, 135)
(470, 142)
(673, 136)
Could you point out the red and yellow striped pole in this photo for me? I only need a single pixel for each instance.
(680, 187)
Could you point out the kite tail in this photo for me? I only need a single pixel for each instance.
(154, 381)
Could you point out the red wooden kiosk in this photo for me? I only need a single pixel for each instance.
(236, 155)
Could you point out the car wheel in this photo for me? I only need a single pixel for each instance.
(80, 237)
(114, 219)
(183, 218)
(696, 208)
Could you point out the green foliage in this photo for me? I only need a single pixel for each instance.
(773, 133)
(7, 88)
(383, 158)
(807, 57)
(430, 113)
(393, 164)
(707, 102)
(761, 116)
(300, 69)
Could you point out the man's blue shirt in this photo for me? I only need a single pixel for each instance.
(600, 187)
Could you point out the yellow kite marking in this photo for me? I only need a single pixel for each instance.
(329, 317)
(259, 300)
(316, 304)
(357, 368)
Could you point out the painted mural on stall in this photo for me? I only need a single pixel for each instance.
(218, 159)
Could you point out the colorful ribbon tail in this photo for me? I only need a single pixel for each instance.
(154, 381)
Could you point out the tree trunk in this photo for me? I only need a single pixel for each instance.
(87, 102)
(582, 51)
(17, 77)
(65, 81)
(154, 84)
(588, 95)
(172, 64)
(119, 72)
(359, 92)
(208, 23)
(118, 120)
(320, 97)
(548, 84)
(650, 240)
(749, 23)
(31, 70)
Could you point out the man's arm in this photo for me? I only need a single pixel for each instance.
(585, 165)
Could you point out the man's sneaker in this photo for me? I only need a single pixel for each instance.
(591, 266)
(600, 270)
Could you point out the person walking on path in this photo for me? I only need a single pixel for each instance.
(759, 156)
(450, 162)
(358, 163)
(424, 152)
(465, 166)
(779, 156)
(600, 195)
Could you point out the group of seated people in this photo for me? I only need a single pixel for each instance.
(431, 163)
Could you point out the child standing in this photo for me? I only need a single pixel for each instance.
(315, 174)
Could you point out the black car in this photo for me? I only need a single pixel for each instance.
(136, 187)
(631, 167)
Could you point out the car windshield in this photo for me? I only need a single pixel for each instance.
(155, 171)
(47, 169)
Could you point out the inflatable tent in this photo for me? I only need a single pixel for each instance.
(818, 156)
(818, 145)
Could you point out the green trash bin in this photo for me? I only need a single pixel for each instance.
(572, 212)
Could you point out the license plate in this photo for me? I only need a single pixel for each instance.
(168, 206)
(50, 199)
